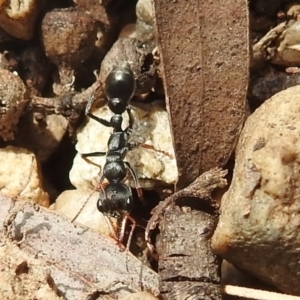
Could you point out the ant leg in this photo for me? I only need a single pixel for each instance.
(89, 104)
(83, 205)
(123, 227)
(86, 155)
(91, 154)
(89, 114)
(112, 228)
(133, 145)
(146, 146)
(131, 231)
(135, 178)
(100, 185)
(131, 120)
(122, 230)
(100, 120)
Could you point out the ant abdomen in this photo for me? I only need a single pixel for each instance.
(119, 88)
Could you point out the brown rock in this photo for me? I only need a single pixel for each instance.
(19, 19)
(13, 102)
(259, 223)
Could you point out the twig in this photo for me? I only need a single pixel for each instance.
(255, 294)
(69, 105)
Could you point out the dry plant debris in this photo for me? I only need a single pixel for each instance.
(81, 262)
(24, 277)
(205, 72)
(187, 265)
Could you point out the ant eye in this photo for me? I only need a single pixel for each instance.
(102, 206)
(128, 204)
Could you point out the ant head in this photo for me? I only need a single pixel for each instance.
(118, 198)
(120, 83)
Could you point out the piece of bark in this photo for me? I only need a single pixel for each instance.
(70, 105)
(187, 266)
(81, 262)
(201, 188)
(205, 61)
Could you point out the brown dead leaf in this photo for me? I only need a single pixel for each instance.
(205, 60)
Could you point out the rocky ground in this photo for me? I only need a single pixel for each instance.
(215, 112)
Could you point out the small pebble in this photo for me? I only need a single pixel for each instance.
(20, 176)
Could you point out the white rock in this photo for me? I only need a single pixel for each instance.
(288, 50)
(20, 176)
(43, 139)
(151, 127)
(145, 21)
(140, 296)
(84, 203)
(145, 11)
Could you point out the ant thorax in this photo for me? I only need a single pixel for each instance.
(150, 127)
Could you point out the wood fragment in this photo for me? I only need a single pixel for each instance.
(81, 261)
(70, 105)
(205, 62)
(201, 188)
(259, 50)
(255, 294)
(187, 266)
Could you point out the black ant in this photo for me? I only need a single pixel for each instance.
(115, 199)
